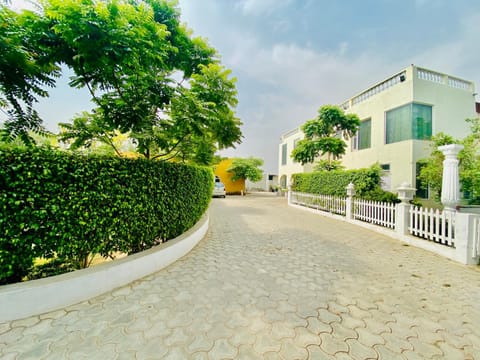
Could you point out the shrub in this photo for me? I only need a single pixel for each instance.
(366, 181)
(72, 207)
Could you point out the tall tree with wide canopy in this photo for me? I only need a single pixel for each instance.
(326, 134)
(246, 168)
(146, 74)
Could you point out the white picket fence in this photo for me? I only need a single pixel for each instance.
(327, 203)
(433, 225)
(374, 212)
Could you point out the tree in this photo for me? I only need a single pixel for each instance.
(469, 169)
(326, 134)
(146, 74)
(246, 169)
(25, 69)
(325, 165)
(129, 55)
(431, 169)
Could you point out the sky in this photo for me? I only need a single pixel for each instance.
(290, 57)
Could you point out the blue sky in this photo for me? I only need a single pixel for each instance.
(292, 56)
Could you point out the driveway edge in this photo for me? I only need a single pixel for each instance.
(36, 297)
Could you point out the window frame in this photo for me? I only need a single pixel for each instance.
(413, 128)
(356, 140)
(284, 154)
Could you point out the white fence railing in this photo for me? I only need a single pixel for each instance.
(433, 225)
(453, 234)
(374, 212)
(328, 203)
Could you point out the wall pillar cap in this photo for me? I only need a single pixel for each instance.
(350, 189)
(405, 192)
(450, 149)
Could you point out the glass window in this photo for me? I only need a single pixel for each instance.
(411, 121)
(362, 139)
(422, 121)
(284, 154)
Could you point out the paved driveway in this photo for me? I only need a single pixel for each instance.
(272, 282)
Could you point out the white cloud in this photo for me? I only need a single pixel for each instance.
(260, 7)
(458, 57)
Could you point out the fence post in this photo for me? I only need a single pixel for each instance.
(465, 238)
(450, 178)
(349, 201)
(289, 194)
(402, 211)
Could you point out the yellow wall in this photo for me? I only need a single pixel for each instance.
(226, 177)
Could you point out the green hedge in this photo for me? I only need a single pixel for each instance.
(367, 183)
(56, 204)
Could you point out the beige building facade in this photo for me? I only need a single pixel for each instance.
(398, 117)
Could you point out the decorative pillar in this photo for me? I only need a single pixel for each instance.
(349, 204)
(402, 210)
(289, 191)
(450, 178)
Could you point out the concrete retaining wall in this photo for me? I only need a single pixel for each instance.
(35, 297)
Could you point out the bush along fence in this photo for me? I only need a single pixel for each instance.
(453, 232)
(70, 207)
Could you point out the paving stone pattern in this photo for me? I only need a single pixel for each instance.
(272, 282)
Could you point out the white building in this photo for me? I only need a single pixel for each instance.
(398, 114)
(268, 182)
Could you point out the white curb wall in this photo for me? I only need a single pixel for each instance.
(36, 297)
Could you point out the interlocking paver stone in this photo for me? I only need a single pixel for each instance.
(359, 351)
(272, 282)
(222, 349)
(282, 330)
(316, 353)
(385, 353)
(332, 345)
(291, 350)
(304, 337)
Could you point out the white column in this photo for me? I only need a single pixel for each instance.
(466, 248)
(402, 210)
(349, 205)
(450, 179)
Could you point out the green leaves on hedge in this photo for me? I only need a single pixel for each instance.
(56, 204)
(367, 183)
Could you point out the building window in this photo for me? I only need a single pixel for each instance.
(284, 154)
(386, 178)
(411, 121)
(362, 139)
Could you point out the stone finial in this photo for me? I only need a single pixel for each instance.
(350, 190)
(405, 192)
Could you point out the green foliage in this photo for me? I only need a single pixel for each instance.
(25, 69)
(246, 169)
(129, 55)
(469, 169)
(55, 204)
(325, 165)
(366, 181)
(431, 169)
(321, 134)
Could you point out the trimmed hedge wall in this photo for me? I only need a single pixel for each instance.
(53, 203)
(366, 181)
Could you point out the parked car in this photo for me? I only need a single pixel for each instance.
(219, 189)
